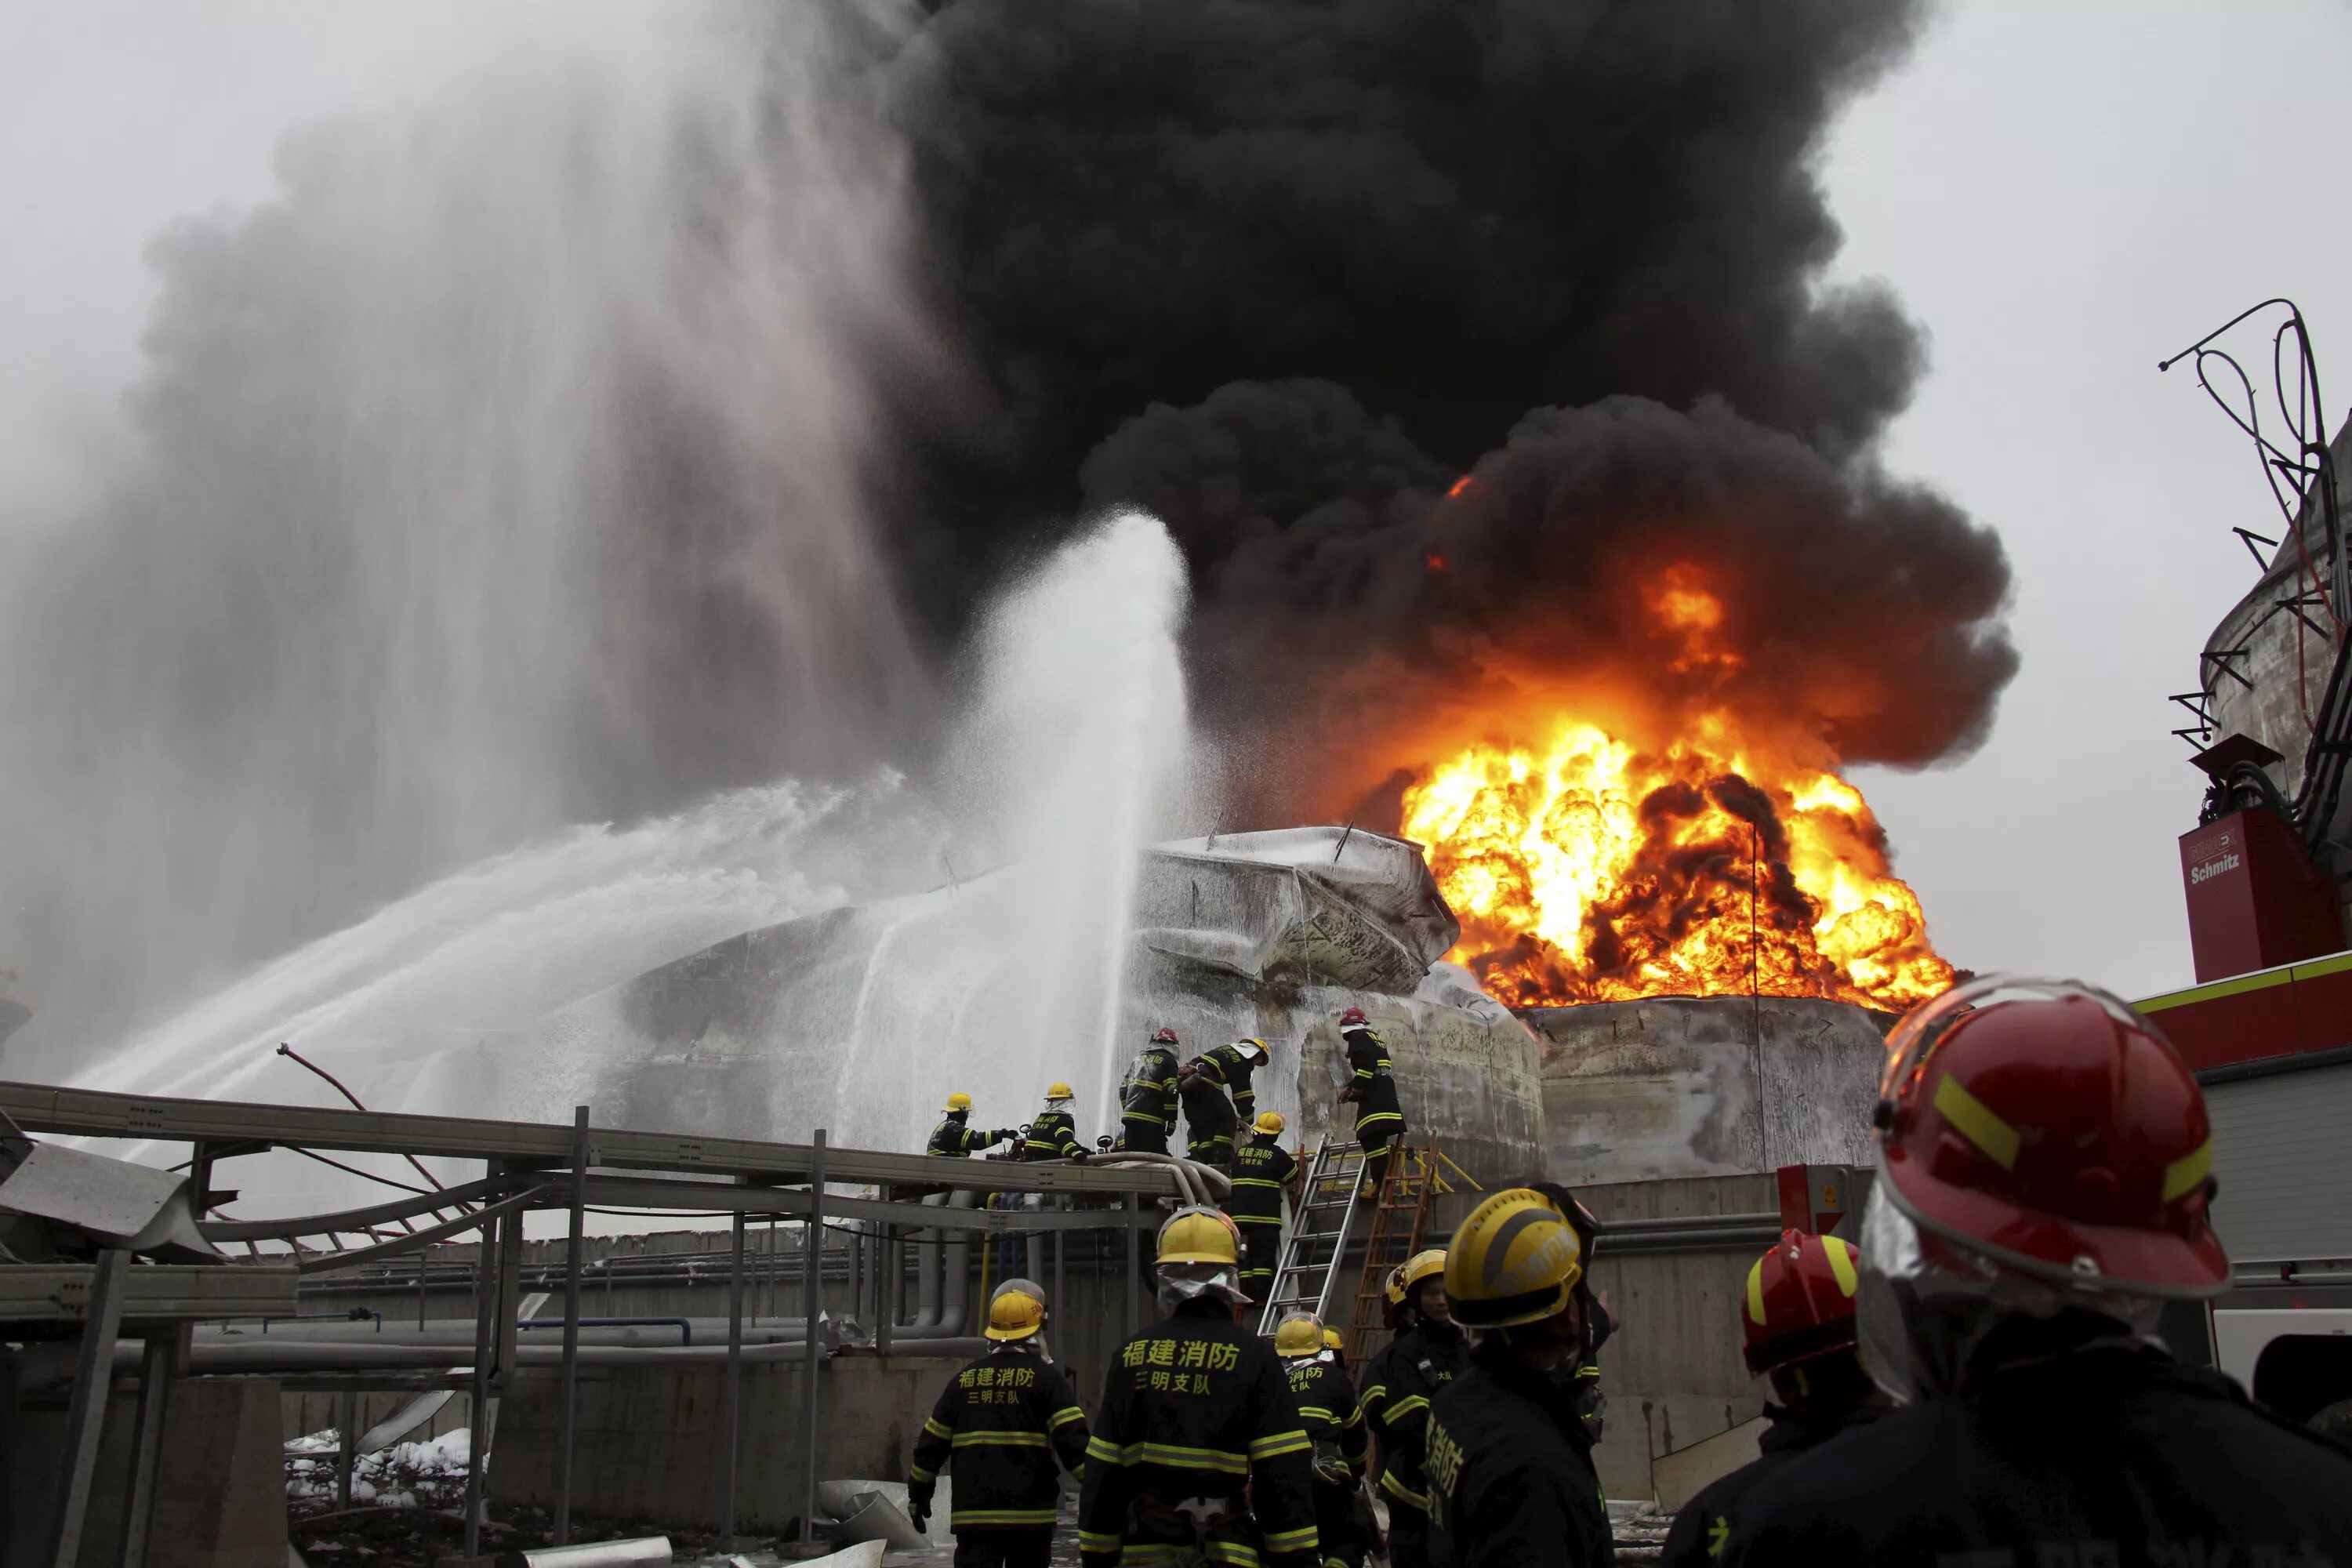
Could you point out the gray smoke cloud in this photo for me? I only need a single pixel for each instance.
(503, 472)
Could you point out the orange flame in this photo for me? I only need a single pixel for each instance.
(1588, 870)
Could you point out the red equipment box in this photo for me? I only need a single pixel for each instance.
(2255, 901)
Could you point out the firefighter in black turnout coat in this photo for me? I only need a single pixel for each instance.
(1002, 1423)
(1147, 1099)
(1511, 1480)
(1335, 1425)
(1399, 1385)
(2043, 1186)
(1371, 1089)
(1797, 1315)
(1198, 1448)
(1262, 1170)
(1053, 1132)
(1211, 1119)
(952, 1137)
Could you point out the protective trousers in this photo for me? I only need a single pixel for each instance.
(1408, 1536)
(1377, 1150)
(1261, 1249)
(1005, 1548)
(1344, 1544)
(1147, 1137)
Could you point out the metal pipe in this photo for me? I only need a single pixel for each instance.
(572, 1326)
(572, 1248)
(86, 1412)
(643, 1552)
(811, 1304)
(731, 1389)
(476, 1424)
(885, 1291)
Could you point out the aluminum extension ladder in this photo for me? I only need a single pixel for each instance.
(1307, 1270)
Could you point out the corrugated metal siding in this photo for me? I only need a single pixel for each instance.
(2282, 1150)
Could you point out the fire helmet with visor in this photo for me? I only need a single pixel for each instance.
(2042, 1149)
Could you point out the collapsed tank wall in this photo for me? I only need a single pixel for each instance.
(1676, 1087)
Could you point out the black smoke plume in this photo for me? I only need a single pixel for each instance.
(1283, 271)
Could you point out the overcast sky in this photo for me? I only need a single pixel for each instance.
(2061, 192)
(2066, 193)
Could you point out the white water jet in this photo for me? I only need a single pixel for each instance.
(519, 987)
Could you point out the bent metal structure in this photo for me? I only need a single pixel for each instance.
(525, 1167)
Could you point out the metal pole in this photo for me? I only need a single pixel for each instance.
(346, 1440)
(886, 1284)
(422, 1254)
(477, 1420)
(572, 1325)
(1134, 1263)
(812, 1302)
(155, 1363)
(732, 1401)
(86, 1415)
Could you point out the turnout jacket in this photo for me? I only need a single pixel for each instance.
(1510, 1471)
(1002, 1421)
(1149, 1092)
(952, 1137)
(1053, 1135)
(1703, 1526)
(2115, 1457)
(1373, 1087)
(1411, 1371)
(1327, 1403)
(1197, 1407)
(1262, 1168)
(1229, 1070)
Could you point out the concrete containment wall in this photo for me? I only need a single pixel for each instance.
(1672, 1371)
(220, 1489)
(1677, 1087)
(651, 1445)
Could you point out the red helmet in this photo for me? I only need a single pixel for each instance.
(1800, 1302)
(2046, 1127)
(1164, 1038)
(1353, 1015)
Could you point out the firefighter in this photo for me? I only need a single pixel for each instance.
(1054, 1135)
(1511, 1480)
(952, 1137)
(1380, 1120)
(1262, 1170)
(1198, 1454)
(1334, 1347)
(1327, 1403)
(1147, 1098)
(1209, 1119)
(1592, 1403)
(2043, 1189)
(1797, 1316)
(1003, 1421)
(1429, 1354)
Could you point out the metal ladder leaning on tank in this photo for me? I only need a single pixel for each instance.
(1307, 1266)
(1416, 1178)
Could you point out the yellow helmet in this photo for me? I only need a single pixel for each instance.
(1256, 1047)
(1333, 1340)
(1421, 1265)
(1014, 1315)
(1200, 1236)
(1301, 1333)
(1057, 1091)
(959, 1102)
(1515, 1261)
(1393, 1286)
(1269, 1123)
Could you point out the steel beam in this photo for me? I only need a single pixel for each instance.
(40, 1108)
(731, 1389)
(86, 1415)
(811, 1306)
(151, 1293)
(156, 1362)
(572, 1251)
(479, 1394)
(654, 1192)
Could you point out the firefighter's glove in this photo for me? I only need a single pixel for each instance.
(918, 1508)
